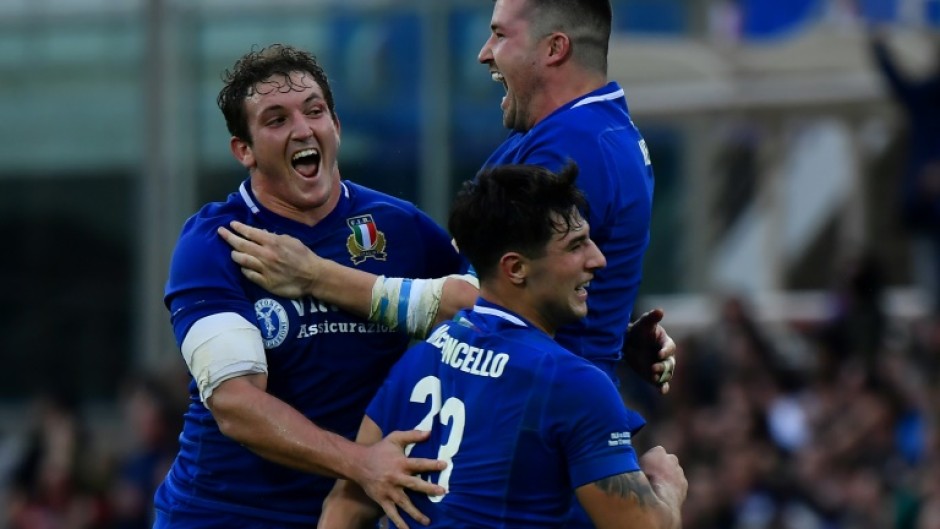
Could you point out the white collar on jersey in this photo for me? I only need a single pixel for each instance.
(246, 196)
(602, 97)
(499, 314)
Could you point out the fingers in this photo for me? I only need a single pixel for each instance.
(419, 465)
(403, 438)
(248, 232)
(667, 344)
(651, 318)
(417, 484)
(668, 369)
(391, 511)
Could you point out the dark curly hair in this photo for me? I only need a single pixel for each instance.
(256, 67)
(513, 208)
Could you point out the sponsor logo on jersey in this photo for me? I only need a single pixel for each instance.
(272, 318)
(619, 439)
(366, 240)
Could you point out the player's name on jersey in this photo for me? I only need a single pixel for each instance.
(468, 358)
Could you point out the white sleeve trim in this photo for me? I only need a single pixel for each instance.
(220, 347)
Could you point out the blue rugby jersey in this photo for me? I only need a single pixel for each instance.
(522, 421)
(322, 361)
(616, 175)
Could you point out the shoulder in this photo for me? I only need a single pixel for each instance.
(199, 232)
(200, 252)
(363, 196)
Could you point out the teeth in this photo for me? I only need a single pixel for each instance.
(498, 77)
(305, 152)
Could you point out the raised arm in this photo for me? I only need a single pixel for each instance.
(285, 266)
(651, 498)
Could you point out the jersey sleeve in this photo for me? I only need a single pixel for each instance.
(591, 425)
(203, 280)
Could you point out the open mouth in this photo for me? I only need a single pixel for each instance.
(306, 162)
(582, 288)
(498, 77)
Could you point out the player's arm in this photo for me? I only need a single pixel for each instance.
(651, 498)
(348, 506)
(650, 351)
(226, 356)
(285, 266)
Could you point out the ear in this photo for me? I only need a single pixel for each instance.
(339, 129)
(559, 48)
(515, 267)
(242, 152)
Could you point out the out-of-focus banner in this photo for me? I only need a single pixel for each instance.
(762, 19)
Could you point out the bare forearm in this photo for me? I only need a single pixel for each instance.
(348, 507)
(277, 432)
(347, 288)
(629, 500)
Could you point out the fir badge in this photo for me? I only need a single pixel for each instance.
(366, 240)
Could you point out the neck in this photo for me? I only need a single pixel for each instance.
(309, 216)
(516, 299)
(562, 86)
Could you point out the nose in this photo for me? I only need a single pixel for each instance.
(486, 54)
(596, 259)
(302, 129)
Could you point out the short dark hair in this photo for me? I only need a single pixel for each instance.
(513, 208)
(586, 22)
(257, 66)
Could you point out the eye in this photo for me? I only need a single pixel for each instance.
(275, 121)
(316, 111)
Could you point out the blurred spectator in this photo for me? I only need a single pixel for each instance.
(57, 483)
(920, 184)
(152, 419)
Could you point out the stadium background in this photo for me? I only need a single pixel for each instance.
(777, 247)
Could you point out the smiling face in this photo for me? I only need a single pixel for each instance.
(512, 56)
(557, 281)
(292, 153)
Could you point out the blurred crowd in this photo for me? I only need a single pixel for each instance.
(830, 424)
(65, 470)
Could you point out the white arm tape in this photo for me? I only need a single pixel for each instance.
(410, 305)
(220, 347)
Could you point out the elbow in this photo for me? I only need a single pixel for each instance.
(457, 295)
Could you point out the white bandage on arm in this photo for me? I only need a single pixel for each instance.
(410, 305)
(220, 347)
(470, 278)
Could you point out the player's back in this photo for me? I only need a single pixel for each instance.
(615, 173)
(521, 421)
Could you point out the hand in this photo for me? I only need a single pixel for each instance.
(665, 475)
(280, 264)
(387, 472)
(650, 351)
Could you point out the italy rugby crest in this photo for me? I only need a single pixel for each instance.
(366, 240)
